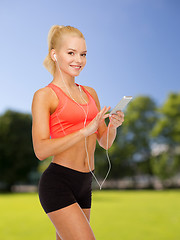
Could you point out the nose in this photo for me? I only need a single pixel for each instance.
(78, 58)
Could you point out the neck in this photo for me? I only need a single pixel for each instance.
(69, 80)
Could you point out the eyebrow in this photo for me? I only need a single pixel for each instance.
(75, 49)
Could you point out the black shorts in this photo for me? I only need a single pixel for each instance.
(60, 186)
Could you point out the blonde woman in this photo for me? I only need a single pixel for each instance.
(67, 120)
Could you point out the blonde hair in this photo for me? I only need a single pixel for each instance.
(55, 36)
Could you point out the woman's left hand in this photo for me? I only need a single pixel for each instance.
(116, 120)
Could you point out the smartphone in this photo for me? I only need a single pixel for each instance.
(121, 105)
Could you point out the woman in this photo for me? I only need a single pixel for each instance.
(66, 114)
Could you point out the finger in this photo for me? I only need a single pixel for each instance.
(115, 117)
(118, 117)
(106, 109)
(103, 111)
(105, 116)
(120, 114)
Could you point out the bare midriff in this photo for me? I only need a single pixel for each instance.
(76, 156)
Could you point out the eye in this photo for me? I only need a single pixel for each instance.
(81, 54)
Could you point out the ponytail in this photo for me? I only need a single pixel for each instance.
(54, 40)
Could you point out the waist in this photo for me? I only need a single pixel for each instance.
(58, 168)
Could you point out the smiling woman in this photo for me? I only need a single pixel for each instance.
(55, 40)
(67, 121)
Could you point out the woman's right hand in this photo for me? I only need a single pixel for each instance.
(94, 124)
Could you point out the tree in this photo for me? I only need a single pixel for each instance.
(130, 153)
(118, 158)
(140, 117)
(167, 132)
(17, 158)
(164, 166)
(167, 128)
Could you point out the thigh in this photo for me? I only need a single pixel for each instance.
(58, 237)
(71, 223)
(54, 189)
(87, 213)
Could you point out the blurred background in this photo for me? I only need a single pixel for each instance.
(132, 49)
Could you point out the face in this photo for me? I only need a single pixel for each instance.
(72, 55)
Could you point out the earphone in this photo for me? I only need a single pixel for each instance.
(86, 114)
(55, 57)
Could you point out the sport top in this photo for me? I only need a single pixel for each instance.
(69, 116)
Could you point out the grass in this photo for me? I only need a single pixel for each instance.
(116, 215)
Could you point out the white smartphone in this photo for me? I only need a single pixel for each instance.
(121, 105)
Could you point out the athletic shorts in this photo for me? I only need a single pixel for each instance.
(60, 186)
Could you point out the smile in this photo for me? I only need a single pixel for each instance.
(75, 66)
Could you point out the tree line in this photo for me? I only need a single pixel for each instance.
(148, 142)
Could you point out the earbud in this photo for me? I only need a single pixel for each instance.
(86, 114)
(55, 57)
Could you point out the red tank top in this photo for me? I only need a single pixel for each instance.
(69, 116)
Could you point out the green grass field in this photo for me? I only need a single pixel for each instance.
(115, 215)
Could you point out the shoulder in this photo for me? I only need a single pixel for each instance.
(94, 95)
(42, 97)
(43, 93)
(90, 90)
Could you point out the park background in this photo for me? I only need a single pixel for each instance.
(133, 49)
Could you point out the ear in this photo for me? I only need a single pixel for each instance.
(52, 52)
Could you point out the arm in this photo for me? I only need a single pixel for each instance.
(43, 145)
(115, 121)
(111, 137)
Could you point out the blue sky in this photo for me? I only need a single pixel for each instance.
(133, 48)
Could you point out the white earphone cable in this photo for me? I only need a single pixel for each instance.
(86, 114)
(100, 185)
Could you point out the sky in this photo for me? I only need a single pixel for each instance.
(132, 48)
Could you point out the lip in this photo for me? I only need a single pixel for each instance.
(75, 66)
